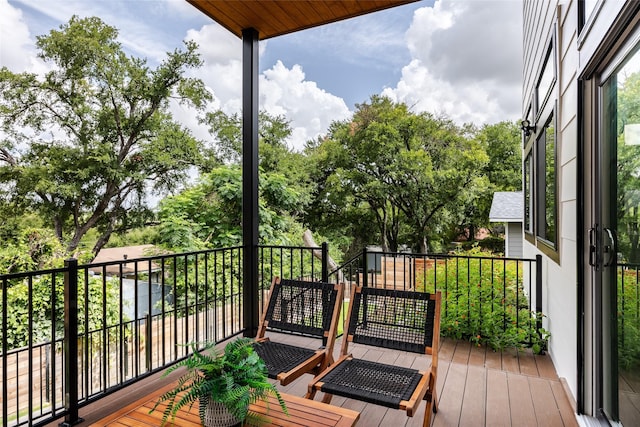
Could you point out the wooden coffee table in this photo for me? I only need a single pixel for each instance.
(302, 412)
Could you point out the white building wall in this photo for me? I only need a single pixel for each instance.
(556, 21)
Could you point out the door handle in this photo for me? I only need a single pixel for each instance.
(593, 249)
(612, 249)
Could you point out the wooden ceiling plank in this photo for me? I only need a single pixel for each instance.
(273, 16)
(277, 17)
(301, 12)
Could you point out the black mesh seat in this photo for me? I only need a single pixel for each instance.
(394, 319)
(281, 357)
(372, 382)
(304, 308)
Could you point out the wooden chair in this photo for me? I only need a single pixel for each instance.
(305, 308)
(393, 319)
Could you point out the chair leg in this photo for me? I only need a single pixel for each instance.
(427, 415)
(435, 403)
(327, 398)
(311, 393)
(432, 406)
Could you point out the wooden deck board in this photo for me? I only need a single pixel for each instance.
(477, 355)
(520, 401)
(510, 361)
(461, 354)
(498, 412)
(545, 407)
(566, 411)
(475, 394)
(545, 366)
(451, 396)
(527, 363)
(488, 389)
(493, 360)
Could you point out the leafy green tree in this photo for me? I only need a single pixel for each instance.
(208, 215)
(35, 248)
(501, 141)
(408, 172)
(274, 154)
(88, 142)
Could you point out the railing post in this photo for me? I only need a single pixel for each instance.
(365, 268)
(325, 279)
(148, 338)
(538, 293)
(71, 343)
(325, 262)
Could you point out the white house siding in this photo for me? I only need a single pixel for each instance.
(545, 21)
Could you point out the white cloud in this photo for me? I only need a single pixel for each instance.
(283, 91)
(17, 51)
(309, 108)
(466, 61)
(138, 23)
(217, 45)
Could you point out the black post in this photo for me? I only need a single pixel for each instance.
(148, 338)
(71, 343)
(365, 271)
(250, 180)
(326, 300)
(365, 280)
(538, 293)
(325, 262)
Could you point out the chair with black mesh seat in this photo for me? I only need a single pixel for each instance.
(305, 308)
(393, 319)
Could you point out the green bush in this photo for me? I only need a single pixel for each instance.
(484, 302)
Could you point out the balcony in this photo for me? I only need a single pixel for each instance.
(89, 341)
(477, 387)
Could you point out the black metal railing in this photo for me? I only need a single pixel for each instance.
(74, 334)
(484, 298)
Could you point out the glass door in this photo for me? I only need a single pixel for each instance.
(617, 263)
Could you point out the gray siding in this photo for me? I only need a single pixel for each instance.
(514, 240)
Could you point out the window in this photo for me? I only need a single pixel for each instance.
(528, 193)
(546, 80)
(585, 10)
(546, 197)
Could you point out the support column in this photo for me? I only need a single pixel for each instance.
(250, 180)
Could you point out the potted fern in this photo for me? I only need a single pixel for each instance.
(224, 384)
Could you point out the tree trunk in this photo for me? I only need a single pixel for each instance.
(309, 242)
(424, 245)
(104, 238)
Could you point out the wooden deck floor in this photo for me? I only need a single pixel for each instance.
(476, 387)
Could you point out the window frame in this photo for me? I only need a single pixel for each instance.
(543, 110)
(541, 185)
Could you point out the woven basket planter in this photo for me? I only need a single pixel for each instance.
(217, 415)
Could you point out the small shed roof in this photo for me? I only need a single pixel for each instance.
(507, 206)
(124, 253)
(273, 18)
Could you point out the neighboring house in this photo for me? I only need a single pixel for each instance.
(129, 269)
(508, 207)
(146, 293)
(581, 102)
(148, 289)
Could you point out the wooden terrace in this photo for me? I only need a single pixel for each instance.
(476, 386)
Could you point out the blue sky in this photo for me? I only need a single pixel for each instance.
(461, 59)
